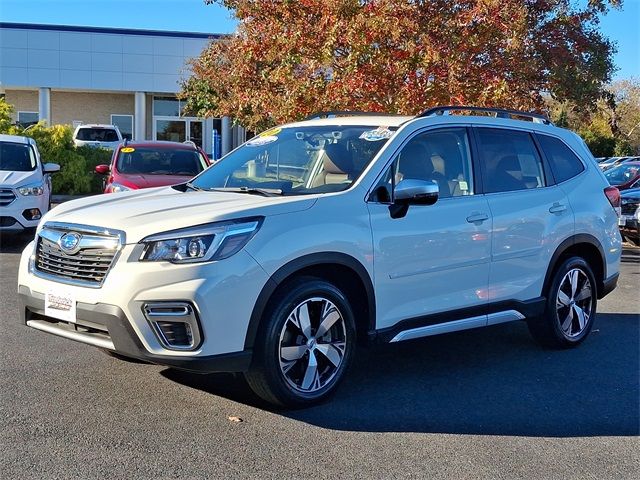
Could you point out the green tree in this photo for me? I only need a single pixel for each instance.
(291, 58)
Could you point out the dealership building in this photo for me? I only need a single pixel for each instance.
(129, 78)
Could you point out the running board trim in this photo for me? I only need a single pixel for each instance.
(90, 339)
(458, 325)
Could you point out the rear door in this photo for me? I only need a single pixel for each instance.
(531, 215)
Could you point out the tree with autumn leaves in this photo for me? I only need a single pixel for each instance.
(290, 58)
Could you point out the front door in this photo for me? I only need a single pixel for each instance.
(436, 257)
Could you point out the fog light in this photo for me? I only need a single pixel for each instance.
(32, 214)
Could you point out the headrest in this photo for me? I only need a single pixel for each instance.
(414, 162)
(509, 163)
(337, 159)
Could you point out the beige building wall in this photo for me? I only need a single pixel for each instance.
(22, 100)
(67, 107)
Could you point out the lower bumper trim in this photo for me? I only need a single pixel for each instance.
(120, 336)
(61, 331)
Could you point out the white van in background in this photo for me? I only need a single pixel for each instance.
(104, 136)
(25, 183)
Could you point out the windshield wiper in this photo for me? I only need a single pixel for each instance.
(265, 192)
(193, 187)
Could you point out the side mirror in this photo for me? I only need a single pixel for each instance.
(412, 192)
(416, 192)
(102, 169)
(51, 168)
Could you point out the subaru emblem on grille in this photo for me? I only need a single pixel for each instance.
(69, 242)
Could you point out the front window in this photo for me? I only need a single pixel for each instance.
(622, 174)
(17, 157)
(166, 161)
(298, 160)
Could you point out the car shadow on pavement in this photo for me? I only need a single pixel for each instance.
(11, 242)
(492, 381)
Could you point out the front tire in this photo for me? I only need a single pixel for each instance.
(571, 306)
(304, 346)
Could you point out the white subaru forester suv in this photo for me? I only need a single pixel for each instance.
(312, 236)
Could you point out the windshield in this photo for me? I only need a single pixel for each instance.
(17, 157)
(622, 174)
(298, 160)
(159, 161)
(97, 135)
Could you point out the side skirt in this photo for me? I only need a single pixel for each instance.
(462, 319)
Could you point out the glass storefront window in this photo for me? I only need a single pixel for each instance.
(171, 130)
(124, 124)
(166, 107)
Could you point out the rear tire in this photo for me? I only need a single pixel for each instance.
(304, 346)
(571, 306)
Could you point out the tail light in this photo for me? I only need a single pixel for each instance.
(613, 195)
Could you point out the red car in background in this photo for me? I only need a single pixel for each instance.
(137, 165)
(624, 176)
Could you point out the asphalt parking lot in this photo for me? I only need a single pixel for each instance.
(478, 404)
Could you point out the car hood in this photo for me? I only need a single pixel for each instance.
(141, 213)
(18, 179)
(631, 193)
(147, 181)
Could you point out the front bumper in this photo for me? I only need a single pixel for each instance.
(106, 326)
(113, 315)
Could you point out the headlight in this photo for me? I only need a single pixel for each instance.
(32, 189)
(214, 241)
(118, 187)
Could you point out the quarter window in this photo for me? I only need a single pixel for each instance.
(564, 163)
(511, 160)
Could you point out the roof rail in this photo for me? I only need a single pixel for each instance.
(190, 142)
(347, 113)
(499, 112)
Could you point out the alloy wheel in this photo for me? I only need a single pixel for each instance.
(574, 302)
(312, 345)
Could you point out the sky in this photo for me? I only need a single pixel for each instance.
(623, 27)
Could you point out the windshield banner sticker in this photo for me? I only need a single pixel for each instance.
(260, 140)
(380, 133)
(270, 132)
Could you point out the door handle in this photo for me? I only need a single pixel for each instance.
(557, 208)
(477, 217)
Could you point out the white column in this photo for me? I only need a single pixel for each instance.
(44, 104)
(227, 135)
(207, 140)
(139, 116)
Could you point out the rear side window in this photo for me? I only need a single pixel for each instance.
(511, 160)
(564, 163)
(97, 135)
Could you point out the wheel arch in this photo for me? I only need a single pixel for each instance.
(581, 245)
(346, 272)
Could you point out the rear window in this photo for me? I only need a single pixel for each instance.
(166, 161)
(17, 157)
(564, 163)
(90, 134)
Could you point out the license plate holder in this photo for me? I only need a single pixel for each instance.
(60, 304)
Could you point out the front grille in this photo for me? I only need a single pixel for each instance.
(6, 196)
(7, 221)
(87, 264)
(629, 208)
